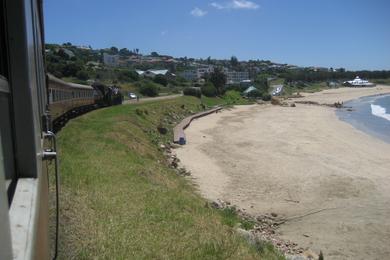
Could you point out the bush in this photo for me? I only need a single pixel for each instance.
(209, 90)
(192, 92)
(239, 88)
(254, 94)
(232, 97)
(266, 97)
(127, 75)
(161, 79)
(82, 74)
(149, 89)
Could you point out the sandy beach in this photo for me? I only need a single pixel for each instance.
(295, 160)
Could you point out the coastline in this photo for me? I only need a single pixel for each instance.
(293, 160)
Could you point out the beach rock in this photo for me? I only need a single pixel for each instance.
(293, 105)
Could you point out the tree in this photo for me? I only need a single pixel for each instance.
(154, 54)
(124, 52)
(255, 94)
(234, 61)
(261, 83)
(127, 75)
(114, 50)
(209, 90)
(218, 78)
(161, 79)
(191, 91)
(149, 89)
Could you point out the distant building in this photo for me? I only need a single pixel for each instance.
(232, 77)
(196, 74)
(189, 75)
(235, 77)
(111, 60)
(153, 73)
(84, 47)
(67, 52)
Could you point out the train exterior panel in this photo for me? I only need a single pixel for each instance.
(24, 232)
(65, 97)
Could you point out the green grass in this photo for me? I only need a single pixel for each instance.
(230, 98)
(277, 81)
(231, 218)
(119, 199)
(309, 88)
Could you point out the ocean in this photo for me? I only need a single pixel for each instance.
(369, 114)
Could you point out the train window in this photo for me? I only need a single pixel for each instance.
(6, 133)
(7, 162)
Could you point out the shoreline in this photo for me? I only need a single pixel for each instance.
(294, 160)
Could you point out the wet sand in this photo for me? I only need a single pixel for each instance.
(295, 160)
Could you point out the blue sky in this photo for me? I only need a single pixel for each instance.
(354, 34)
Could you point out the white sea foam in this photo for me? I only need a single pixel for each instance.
(379, 112)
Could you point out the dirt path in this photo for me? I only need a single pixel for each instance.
(295, 160)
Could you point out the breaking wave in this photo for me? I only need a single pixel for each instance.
(379, 112)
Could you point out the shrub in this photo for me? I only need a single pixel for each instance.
(161, 79)
(128, 75)
(148, 89)
(254, 94)
(209, 90)
(192, 92)
(232, 97)
(266, 97)
(239, 88)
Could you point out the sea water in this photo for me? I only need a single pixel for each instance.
(369, 114)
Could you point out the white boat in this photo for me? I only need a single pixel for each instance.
(358, 82)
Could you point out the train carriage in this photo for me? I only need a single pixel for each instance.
(67, 100)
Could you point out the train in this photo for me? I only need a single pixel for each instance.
(67, 100)
(33, 105)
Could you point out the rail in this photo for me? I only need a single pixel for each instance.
(178, 132)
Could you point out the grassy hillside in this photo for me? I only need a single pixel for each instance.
(119, 199)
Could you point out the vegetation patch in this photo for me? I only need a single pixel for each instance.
(119, 198)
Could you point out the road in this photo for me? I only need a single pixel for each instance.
(149, 99)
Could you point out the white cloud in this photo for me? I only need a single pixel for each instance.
(218, 6)
(236, 4)
(197, 12)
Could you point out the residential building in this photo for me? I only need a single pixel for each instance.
(153, 73)
(198, 73)
(189, 75)
(235, 77)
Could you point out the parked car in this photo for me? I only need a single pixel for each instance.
(132, 96)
